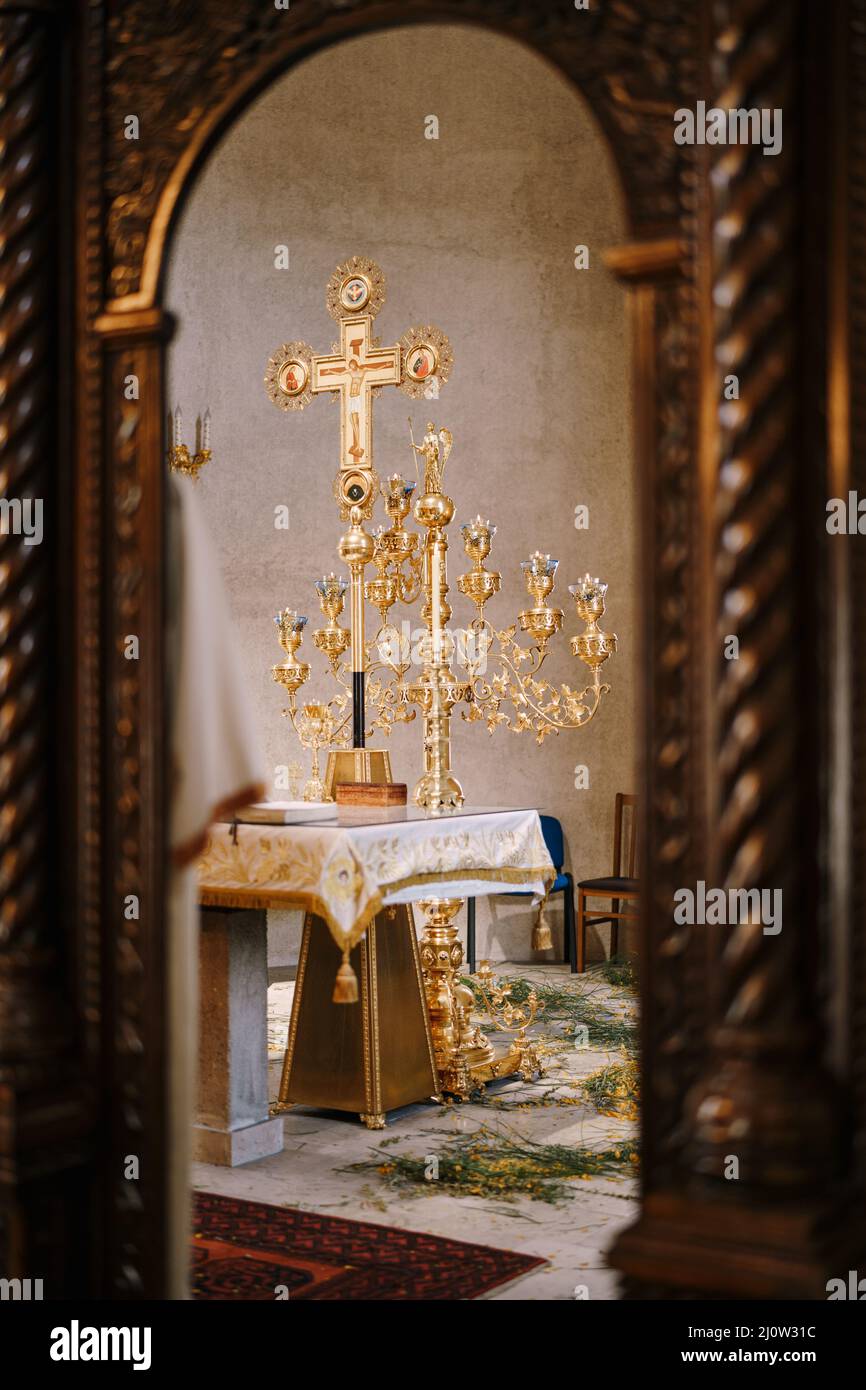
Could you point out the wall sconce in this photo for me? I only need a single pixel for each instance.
(180, 460)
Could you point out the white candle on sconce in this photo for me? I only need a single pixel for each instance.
(198, 434)
(205, 441)
(178, 426)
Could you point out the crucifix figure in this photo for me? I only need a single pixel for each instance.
(355, 371)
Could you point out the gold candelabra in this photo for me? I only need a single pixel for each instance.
(407, 569)
(180, 460)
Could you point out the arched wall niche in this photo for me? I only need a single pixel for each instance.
(477, 231)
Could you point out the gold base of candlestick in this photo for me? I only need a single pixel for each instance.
(438, 792)
(465, 1058)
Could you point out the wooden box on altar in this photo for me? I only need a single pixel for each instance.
(357, 765)
(370, 793)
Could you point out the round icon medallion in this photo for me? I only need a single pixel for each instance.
(293, 377)
(355, 293)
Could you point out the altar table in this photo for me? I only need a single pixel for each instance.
(345, 870)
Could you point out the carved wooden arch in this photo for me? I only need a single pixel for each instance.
(605, 59)
(140, 224)
(715, 766)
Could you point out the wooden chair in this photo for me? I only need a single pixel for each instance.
(621, 887)
(551, 829)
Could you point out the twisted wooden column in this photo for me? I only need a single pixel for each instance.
(848, 411)
(41, 1200)
(763, 1099)
(30, 1025)
(755, 1204)
(135, 954)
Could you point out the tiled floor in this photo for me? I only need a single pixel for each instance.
(572, 1235)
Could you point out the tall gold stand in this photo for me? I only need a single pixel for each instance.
(465, 1058)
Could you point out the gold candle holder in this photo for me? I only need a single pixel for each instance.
(332, 640)
(291, 673)
(592, 646)
(479, 584)
(315, 728)
(465, 1057)
(381, 592)
(541, 621)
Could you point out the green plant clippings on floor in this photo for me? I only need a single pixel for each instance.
(501, 1166)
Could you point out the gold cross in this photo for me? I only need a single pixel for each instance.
(354, 372)
(419, 364)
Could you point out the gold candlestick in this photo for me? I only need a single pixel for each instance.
(465, 1058)
(332, 640)
(479, 584)
(291, 673)
(382, 591)
(437, 690)
(314, 730)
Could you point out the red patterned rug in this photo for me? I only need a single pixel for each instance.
(247, 1250)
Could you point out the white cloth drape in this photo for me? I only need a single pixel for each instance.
(216, 768)
(217, 763)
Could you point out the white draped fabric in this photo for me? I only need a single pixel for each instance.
(346, 872)
(217, 763)
(216, 767)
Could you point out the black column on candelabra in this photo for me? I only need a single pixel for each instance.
(358, 709)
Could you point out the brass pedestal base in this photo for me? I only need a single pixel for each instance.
(463, 1076)
(334, 1053)
(356, 765)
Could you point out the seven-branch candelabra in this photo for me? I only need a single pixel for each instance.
(501, 682)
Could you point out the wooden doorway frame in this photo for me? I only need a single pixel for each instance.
(748, 766)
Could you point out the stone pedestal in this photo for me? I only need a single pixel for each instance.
(232, 1124)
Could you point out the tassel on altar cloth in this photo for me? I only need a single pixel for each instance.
(542, 938)
(346, 984)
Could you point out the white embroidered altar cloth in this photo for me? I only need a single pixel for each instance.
(346, 872)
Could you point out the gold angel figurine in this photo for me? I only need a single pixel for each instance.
(434, 448)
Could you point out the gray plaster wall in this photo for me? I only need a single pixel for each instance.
(475, 232)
